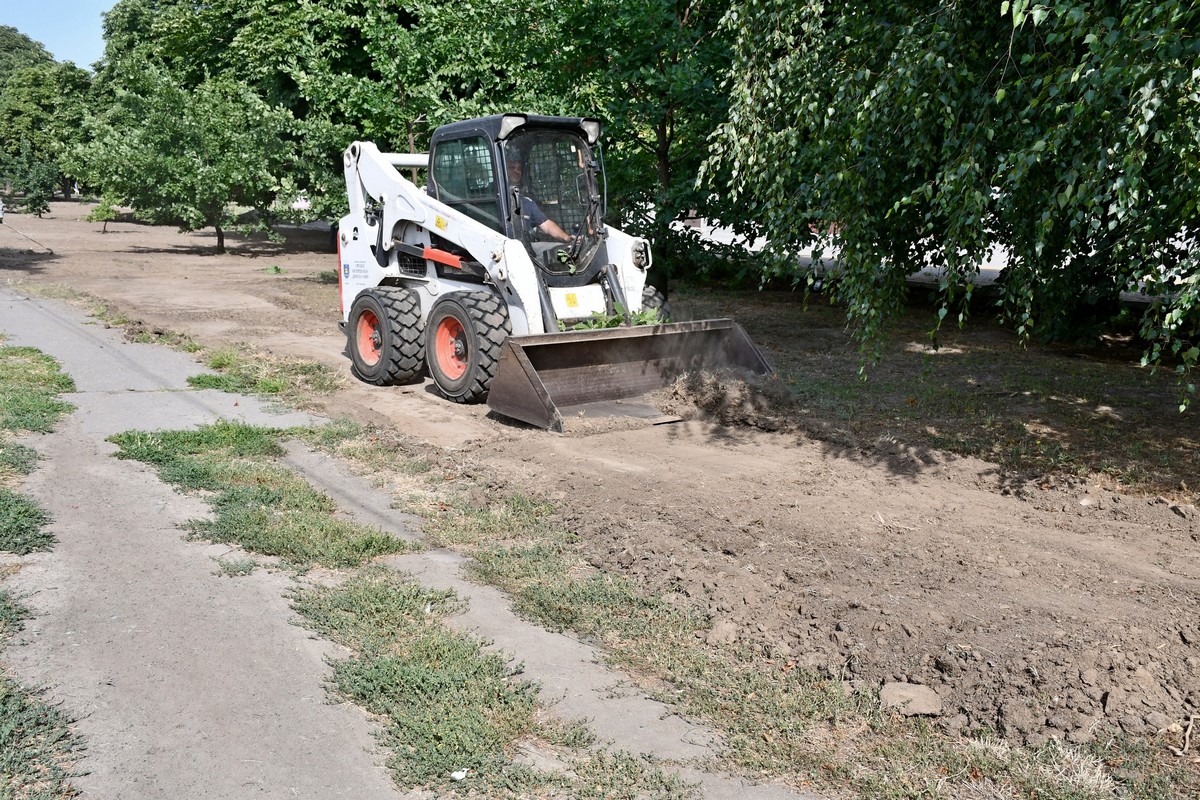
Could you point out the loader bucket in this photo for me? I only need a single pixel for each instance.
(542, 378)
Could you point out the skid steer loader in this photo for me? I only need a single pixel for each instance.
(479, 276)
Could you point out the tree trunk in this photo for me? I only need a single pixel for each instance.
(220, 240)
(662, 152)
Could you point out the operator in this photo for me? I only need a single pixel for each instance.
(531, 211)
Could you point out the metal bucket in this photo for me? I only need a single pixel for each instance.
(539, 379)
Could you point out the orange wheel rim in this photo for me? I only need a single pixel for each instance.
(450, 348)
(368, 338)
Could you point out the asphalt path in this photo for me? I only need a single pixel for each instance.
(186, 683)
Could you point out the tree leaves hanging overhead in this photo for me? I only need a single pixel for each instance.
(920, 134)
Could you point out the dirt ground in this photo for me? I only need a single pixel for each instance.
(1060, 606)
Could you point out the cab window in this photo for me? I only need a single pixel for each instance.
(464, 178)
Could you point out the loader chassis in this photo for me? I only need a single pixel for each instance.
(505, 241)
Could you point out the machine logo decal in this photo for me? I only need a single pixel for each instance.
(345, 270)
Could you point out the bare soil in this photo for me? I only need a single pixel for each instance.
(1041, 591)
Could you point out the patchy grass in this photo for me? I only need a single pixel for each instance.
(372, 449)
(30, 382)
(12, 615)
(295, 382)
(136, 331)
(236, 567)
(464, 521)
(22, 525)
(454, 716)
(256, 504)
(777, 720)
(292, 381)
(37, 747)
(15, 460)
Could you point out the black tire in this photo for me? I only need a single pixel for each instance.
(654, 300)
(463, 336)
(385, 337)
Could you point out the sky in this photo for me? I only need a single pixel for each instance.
(69, 29)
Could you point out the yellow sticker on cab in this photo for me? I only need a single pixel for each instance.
(440, 222)
(572, 300)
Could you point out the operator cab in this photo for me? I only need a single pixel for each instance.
(535, 179)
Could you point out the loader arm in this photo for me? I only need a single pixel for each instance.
(392, 215)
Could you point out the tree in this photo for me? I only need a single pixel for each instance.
(42, 109)
(651, 70)
(344, 69)
(923, 134)
(391, 73)
(17, 50)
(34, 177)
(188, 156)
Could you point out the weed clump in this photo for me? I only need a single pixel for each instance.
(22, 525)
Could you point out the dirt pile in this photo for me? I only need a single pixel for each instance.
(731, 397)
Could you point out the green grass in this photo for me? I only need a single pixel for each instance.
(452, 714)
(37, 746)
(29, 384)
(256, 504)
(22, 525)
(15, 460)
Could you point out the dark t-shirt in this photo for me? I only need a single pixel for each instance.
(532, 214)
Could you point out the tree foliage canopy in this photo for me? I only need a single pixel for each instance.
(900, 134)
(188, 156)
(42, 107)
(17, 50)
(918, 134)
(651, 69)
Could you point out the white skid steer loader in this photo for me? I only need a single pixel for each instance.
(476, 276)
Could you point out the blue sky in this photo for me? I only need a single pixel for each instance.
(69, 29)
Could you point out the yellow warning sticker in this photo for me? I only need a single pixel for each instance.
(440, 222)
(572, 300)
